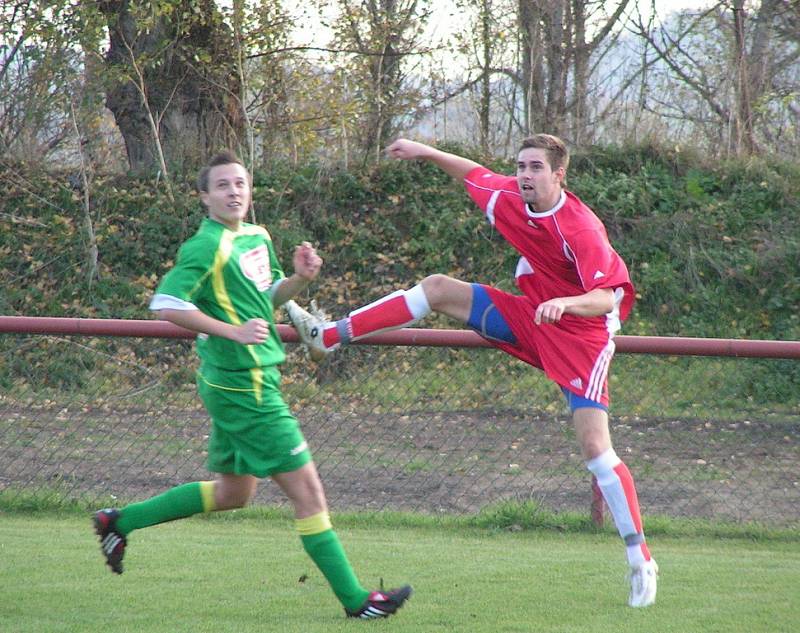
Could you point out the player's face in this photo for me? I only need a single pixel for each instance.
(539, 185)
(228, 195)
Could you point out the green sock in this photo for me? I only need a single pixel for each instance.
(328, 554)
(176, 503)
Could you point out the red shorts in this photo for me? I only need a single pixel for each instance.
(574, 353)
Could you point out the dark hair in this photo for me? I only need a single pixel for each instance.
(226, 157)
(556, 150)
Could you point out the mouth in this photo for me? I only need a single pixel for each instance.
(526, 187)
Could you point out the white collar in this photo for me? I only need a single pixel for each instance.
(543, 214)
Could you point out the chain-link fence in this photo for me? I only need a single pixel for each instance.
(434, 430)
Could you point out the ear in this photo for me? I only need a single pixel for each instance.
(204, 198)
(561, 174)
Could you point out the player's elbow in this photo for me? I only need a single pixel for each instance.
(605, 301)
(167, 314)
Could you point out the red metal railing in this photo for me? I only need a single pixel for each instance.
(678, 346)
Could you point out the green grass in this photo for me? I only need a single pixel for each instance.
(240, 572)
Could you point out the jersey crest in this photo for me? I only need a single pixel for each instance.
(255, 266)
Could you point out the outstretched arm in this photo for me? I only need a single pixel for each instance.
(456, 166)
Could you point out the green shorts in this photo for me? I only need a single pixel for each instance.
(252, 430)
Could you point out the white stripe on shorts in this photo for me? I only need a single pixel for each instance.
(594, 391)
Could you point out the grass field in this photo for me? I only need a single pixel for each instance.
(240, 573)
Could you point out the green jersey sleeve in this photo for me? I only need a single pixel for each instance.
(188, 279)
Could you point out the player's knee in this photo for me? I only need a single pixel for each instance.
(311, 497)
(232, 499)
(593, 446)
(315, 493)
(436, 289)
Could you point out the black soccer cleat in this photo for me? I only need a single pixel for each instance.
(382, 604)
(112, 542)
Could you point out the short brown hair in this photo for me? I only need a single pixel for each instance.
(225, 157)
(556, 150)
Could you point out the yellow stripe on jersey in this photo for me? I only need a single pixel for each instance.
(315, 524)
(221, 258)
(199, 284)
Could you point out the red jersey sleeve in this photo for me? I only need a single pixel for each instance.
(485, 187)
(600, 266)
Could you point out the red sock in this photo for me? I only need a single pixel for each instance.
(619, 492)
(330, 336)
(389, 313)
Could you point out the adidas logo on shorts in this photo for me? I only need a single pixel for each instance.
(299, 449)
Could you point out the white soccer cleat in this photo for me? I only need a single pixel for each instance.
(309, 326)
(643, 579)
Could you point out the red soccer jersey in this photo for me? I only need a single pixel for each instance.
(564, 252)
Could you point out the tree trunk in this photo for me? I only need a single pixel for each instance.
(389, 21)
(529, 15)
(176, 69)
(581, 55)
(558, 51)
(484, 108)
(745, 140)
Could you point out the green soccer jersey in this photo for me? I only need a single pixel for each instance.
(228, 275)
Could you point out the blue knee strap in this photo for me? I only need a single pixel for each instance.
(486, 319)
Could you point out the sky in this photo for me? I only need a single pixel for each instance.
(446, 15)
(447, 19)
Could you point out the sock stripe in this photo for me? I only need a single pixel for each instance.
(343, 328)
(417, 302)
(207, 496)
(632, 500)
(314, 524)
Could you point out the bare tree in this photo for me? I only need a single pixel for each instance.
(170, 67)
(484, 44)
(85, 186)
(385, 35)
(556, 53)
(737, 59)
(37, 64)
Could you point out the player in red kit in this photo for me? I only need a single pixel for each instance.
(575, 292)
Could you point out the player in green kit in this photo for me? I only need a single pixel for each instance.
(225, 286)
